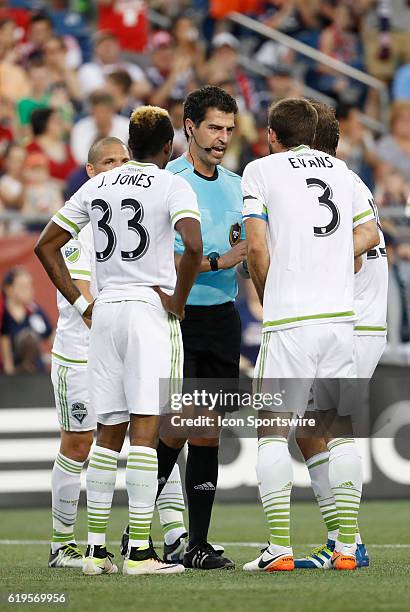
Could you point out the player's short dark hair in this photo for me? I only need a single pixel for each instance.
(150, 128)
(95, 150)
(327, 129)
(200, 100)
(294, 121)
(39, 119)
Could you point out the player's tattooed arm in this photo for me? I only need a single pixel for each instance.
(188, 268)
(257, 253)
(365, 237)
(48, 250)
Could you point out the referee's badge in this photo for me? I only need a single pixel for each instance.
(234, 234)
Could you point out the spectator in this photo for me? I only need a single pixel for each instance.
(39, 97)
(187, 43)
(128, 19)
(225, 54)
(280, 83)
(340, 42)
(24, 325)
(11, 182)
(119, 85)
(391, 190)
(292, 17)
(102, 122)
(49, 132)
(176, 112)
(42, 196)
(356, 146)
(107, 59)
(55, 60)
(40, 29)
(394, 148)
(168, 74)
(13, 79)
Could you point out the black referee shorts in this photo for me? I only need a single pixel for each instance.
(212, 338)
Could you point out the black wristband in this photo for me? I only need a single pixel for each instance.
(213, 261)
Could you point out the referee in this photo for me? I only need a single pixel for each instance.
(211, 330)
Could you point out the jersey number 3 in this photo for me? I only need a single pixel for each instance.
(134, 224)
(325, 200)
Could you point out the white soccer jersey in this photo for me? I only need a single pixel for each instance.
(310, 201)
(72, 334)
(370, 283)
(133, 210)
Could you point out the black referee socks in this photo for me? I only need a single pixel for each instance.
(167, 458)
(201, 478)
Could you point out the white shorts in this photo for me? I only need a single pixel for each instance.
(368, 351)
(135, 358)
(303, 354)
(71, 394)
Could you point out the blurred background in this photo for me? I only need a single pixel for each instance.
(70, 74)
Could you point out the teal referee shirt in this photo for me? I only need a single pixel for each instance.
(220, 204)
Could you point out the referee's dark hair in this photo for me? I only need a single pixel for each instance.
(198, 102)
(327, 129)
(150, 129)
(294, 121)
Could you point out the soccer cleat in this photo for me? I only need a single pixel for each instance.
(138, 562)
(268, 562)
(68, 555)
(174, 553)
(362, 556)
(344, 559)
(204, 556)
(319, 558)
(98, 561)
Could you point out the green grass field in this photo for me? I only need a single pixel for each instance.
(383, 586)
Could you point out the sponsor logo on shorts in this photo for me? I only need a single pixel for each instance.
(234, 234)
(206, 486)
(79, 411)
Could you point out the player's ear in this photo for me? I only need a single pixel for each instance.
(89, 168)
(188, 128)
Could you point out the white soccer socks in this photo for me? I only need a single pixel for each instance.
(65, 492)
(275, 479)
(141, 480)
(346, 481)
(171, 506)
(318, 467)
(101, 476)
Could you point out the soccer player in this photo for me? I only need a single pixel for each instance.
(300, 207)
(135, 335)
(211, 328)
(370, 305)
(69, 376)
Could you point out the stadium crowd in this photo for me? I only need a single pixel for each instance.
(72, 71)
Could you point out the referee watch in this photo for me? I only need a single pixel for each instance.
(213, 261)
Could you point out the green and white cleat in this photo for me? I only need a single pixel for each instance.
(139, 562)
(68, 555)
(98, 561)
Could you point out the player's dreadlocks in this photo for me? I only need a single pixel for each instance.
(150, 128)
